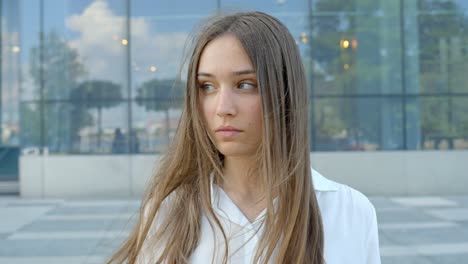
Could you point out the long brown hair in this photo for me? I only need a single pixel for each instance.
(293, 230)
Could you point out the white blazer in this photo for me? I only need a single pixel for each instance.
(349, 222)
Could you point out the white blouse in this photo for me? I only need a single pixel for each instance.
(349, 222)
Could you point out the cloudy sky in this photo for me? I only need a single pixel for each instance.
(100, 33)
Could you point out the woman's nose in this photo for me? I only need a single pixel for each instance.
(226, 105)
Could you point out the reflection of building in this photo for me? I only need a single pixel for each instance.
(384, 78)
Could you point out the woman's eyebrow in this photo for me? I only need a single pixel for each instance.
(235, 73)
(204, 74)
(243, 72)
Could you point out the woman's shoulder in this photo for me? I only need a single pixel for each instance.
(349, 222)
(344, 198)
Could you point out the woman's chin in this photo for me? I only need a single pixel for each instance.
(235, 151)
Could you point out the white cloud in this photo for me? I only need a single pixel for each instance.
(99, 43)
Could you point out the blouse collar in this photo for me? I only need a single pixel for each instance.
(321, 183)
(224, 205)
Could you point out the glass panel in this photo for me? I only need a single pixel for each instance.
(100, 127)
(59, 127)
(30, 74)
(76, 127)
(356, 47)
(154, 124)
(443, 42)
(460, 122)
(443, 122)
(10, 73)
(30, 133)
(294, 14)
(357, 124)
(276, 8)
(159, 30)
(178, 10)
(84, 41)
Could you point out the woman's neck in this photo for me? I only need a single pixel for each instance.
(238, 178)
(243, 187)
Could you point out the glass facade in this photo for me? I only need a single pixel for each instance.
(98, 77)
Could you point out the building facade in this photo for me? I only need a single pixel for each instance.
(103, 79)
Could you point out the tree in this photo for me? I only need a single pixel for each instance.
(96, 94)
(159, 95)
(55, 67)
(332, 68)
(443, 66)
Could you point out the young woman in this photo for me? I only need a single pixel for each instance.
(236, 184)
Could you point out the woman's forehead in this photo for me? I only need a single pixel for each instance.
(225, 54)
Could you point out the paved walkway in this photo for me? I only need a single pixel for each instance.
(416, 230)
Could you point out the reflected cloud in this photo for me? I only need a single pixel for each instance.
(101, 43)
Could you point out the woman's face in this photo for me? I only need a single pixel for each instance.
(229, 97)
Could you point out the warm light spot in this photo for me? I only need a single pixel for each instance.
(153, 68)
(344, 43)
(304, 38)
(354, 43)
(124, 42)
(346, 66)
(15, 49)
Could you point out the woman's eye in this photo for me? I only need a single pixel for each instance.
(247, 85)
(206, 87)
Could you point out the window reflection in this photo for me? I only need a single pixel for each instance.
(363, 59)
(154, 124)
(30, 134)
(159, 32)
(29, 15)
(357, 124)
(82, 41)
(442, 40)
(10, 77)
(99, 127)
(443, 122)
(357, 47)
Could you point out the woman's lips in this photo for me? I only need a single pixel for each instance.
(227, 131)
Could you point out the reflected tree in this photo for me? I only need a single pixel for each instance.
(443, 63)
(30, 125)
(55, 67)
(159, 95)
(331, 23)
(96, 94)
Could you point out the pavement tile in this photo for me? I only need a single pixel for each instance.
(384, 240)
(13, 219)
(428, 235)
(424, 201)
(450, 259)
(406, 260)
(404, 215)
(454, 214)
(77, 225)
(4, 235)
(383, 202)
(29, 204)
(54, 260)
(73, 210)
(416, 230)
(31, 248)
(107, 246)
(462, 201)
